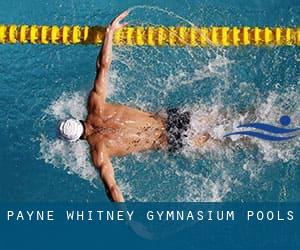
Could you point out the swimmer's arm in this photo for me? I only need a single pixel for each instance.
(103, 164)
(105, 56)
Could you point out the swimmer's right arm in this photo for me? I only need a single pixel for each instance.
(105, 56)
(103, 164)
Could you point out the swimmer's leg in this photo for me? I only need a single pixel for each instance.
(200, 140)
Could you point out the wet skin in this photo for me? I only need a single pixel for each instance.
(123, 130)
(118, 130)
(112, 129)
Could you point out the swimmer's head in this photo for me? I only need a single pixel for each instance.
(70, 130)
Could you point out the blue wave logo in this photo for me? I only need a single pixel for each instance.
(279, 133)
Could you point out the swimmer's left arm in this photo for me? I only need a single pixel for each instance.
(105, 56)
(103, 164)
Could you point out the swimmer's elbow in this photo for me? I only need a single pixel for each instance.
(105, 63)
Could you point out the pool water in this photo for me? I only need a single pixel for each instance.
(43, 84)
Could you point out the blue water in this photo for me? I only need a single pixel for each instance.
(42, 84)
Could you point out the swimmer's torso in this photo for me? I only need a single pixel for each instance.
(124, 130)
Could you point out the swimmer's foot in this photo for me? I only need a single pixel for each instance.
(200, 140)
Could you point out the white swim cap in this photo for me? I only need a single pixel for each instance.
(70, 130)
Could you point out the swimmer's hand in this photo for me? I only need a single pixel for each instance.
(115, 24)
(105, 57)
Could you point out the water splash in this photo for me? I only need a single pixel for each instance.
(74, 158)
(214, 84)
(192, 185)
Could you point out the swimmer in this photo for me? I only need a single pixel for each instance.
(114, 130)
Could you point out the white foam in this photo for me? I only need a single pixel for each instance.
(68, 105)
(174, 182)
(271, 110)
(72, 157)
(216, 121)
(212, 118)
(211, 188)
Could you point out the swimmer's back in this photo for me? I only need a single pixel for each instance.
(126, 130)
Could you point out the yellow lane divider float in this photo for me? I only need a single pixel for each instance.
(152, 36)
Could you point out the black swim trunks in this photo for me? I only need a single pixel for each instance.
(177, 125)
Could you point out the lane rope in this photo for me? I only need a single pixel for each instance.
(152, 35)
